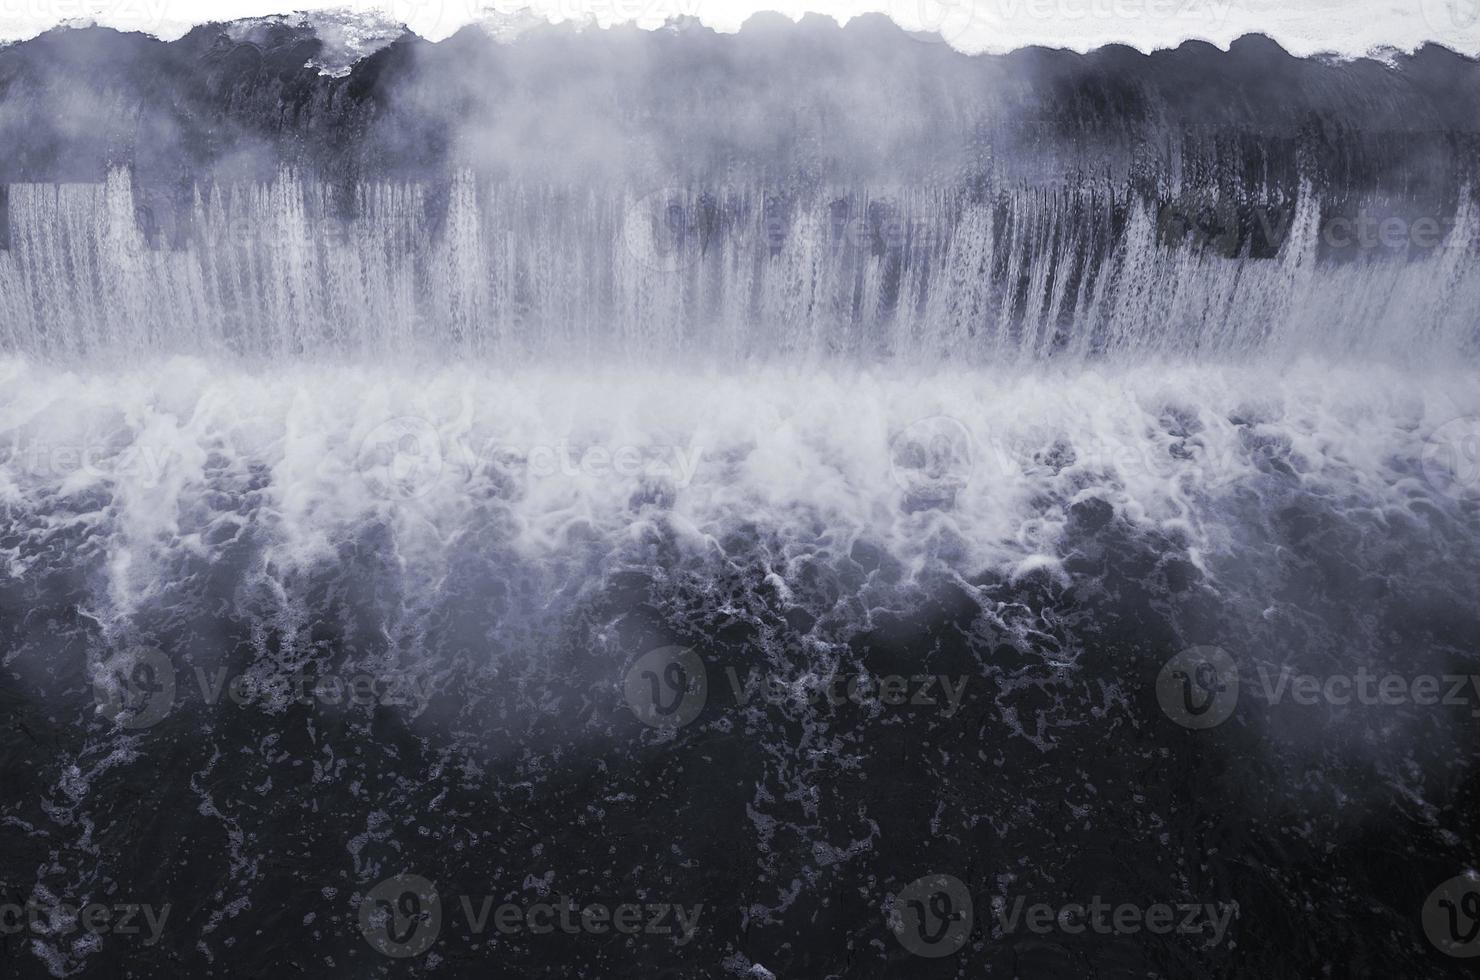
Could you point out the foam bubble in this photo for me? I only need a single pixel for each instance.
(944, 471)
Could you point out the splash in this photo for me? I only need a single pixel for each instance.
(562, 472)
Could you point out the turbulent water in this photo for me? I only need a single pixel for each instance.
(825, 552)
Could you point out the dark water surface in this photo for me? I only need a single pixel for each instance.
(779, 724)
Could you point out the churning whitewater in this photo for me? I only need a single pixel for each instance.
(948, 472)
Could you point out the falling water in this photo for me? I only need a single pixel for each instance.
(501, 270)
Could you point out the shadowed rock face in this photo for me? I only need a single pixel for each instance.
(792, 102)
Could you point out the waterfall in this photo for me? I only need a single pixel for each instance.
(502, 270)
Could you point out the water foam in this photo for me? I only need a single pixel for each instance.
(948, 472)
